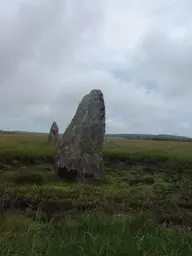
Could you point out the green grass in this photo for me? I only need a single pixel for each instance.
(149, 182)
(31, 149)
(91, 234)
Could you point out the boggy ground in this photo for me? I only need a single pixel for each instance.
(144, 209)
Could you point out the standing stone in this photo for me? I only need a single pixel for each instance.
(80, 152)
(53, 133)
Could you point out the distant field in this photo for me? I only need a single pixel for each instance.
(22, 146)
(144, 209)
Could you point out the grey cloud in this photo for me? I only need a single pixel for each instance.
(47, 31)
(22, 34)
(39, 36)
(54, 52)
(165, 61)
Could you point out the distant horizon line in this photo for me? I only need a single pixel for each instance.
(120, 134)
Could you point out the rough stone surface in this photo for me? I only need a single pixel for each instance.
(80, 152)
(53, 133)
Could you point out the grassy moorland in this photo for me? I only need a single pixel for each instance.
(144, 209)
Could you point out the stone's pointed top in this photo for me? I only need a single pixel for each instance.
(53, 133)
(91, 94)
(54, 123)
(96, 94)
(80, 152)
(54, 126)
(95, 91)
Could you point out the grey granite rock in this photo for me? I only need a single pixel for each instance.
(80, 152)
(53, 133)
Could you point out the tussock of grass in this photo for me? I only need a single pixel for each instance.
(91, 234)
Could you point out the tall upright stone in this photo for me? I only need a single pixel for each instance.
(53, 133)
(80, 152)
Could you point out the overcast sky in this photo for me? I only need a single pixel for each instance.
(139, 53)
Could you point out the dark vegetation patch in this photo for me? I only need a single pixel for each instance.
(37, 189)
(33, 178)
(139, 181)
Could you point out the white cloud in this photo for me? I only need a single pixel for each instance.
(137, 52)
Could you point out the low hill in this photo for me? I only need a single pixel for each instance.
(150, 137)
